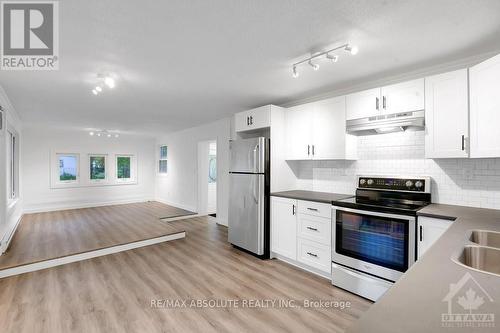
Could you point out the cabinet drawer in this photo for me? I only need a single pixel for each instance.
(314, 254)
(315, 228)
(315, 208)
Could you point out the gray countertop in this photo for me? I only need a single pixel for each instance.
(323, 197)
(416, 302)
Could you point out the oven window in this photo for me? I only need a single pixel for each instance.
(379, 240)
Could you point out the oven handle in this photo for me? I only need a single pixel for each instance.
(368, 212)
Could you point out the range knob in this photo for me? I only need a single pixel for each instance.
(409, 183)
(362, 181)
(418, 184)
(370, 181)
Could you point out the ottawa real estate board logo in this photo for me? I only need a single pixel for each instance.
(29, 35)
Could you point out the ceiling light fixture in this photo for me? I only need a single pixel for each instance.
(106, 133)
(104, 81)
(94, 92)
(109, 81)
(99, 89)
(353, 50)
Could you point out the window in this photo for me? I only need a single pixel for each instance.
(123, 168)
(97, 167)
(12, 165)
(162, 162)
(68, 168)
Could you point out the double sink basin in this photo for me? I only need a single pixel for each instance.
(482, 253)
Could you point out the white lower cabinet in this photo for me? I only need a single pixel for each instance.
(429, 231)
(301, 231)
(284, 227)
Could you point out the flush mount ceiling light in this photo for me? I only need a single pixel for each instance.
(104, 133)
(329, 54)
(104, 81)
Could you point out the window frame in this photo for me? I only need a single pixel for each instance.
(12, 164)
(132, 178)
(106, 168)
(160, 159)
(68, 182)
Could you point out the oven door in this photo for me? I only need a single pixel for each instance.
(379, 244)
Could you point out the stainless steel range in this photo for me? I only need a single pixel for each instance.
(374, 233)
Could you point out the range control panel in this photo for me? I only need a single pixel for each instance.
(395, 184)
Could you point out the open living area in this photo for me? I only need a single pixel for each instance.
(250, 166)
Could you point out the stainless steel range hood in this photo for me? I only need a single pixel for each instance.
(387, 123)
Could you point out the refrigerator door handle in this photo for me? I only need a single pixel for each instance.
(255, 159)
(255, 191)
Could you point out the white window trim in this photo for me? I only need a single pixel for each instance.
(158, 159)
(12, 165)
(133, 170)
(58, 177)
(106, 168)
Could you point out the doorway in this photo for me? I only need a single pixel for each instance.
(207, 177)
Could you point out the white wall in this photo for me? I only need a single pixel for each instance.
(38, 145)
(466, 182)
(10, 211)
(179, 187)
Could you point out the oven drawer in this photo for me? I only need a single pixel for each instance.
(314, 254)
(315, 228)
(315, 208)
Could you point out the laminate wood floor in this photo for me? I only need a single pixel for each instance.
(43, 236)
(113, 293)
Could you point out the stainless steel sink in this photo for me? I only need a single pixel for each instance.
(483, 259)
(486, 238)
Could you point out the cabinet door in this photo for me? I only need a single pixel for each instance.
(485, 109)
(284, 227)
(253, 119)
(429, 231)
(329, 135)
(403, 97)
(241, 121)
(298, 132)
(447, 115)
(363, 104)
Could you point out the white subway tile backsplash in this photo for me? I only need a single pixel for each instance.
(468, 182)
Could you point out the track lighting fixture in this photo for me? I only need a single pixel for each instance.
(105, 133)
(353, 50)
(104, 81)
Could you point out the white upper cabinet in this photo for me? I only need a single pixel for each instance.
(447, 115)
(318, 131)
(363, 104)
(485, 109)
(403, 97)
(298, 132)
(253, 119)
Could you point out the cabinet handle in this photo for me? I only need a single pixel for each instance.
(311, 228)
(463, 142)
(313, 209)
(384, 102)
(376, 103)
(251, 120)
(248, 121)
(421, 233)
(313, 149)
(312, 254)
(308, 150)
(293, 209)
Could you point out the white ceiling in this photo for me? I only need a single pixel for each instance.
(181, 63)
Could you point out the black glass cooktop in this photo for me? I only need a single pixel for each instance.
(386, 201)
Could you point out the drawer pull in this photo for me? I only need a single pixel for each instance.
(312, 254)
(313, 209)
(311, 228)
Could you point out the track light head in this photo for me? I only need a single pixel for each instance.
(314, 66)
(332, 57)
(295, 73)
(352, 49)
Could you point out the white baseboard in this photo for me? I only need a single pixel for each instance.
(66, 206)
(176, 204)
(4, 245)
(87, 255)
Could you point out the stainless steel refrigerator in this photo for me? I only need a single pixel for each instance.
(249, 195)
